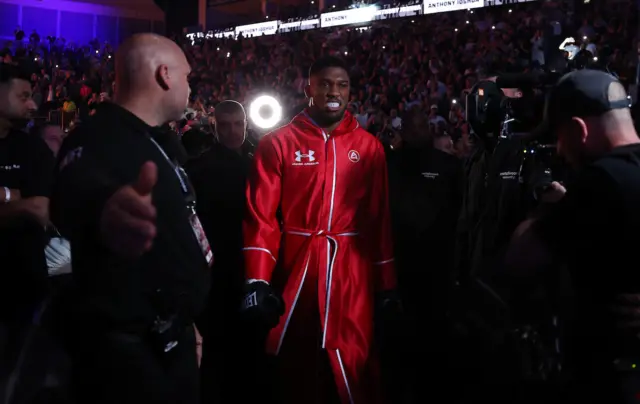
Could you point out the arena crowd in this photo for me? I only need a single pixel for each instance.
(428, 62)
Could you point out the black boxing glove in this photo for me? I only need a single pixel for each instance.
(388, 303)
(389, 319)
(261, 305)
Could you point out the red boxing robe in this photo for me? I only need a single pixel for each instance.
(333, 248)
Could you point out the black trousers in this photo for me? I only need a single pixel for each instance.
(115, 368)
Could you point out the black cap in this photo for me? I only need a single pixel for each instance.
(584, 93)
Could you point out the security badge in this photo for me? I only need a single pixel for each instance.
(201, 237)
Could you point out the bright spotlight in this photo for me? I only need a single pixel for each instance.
(255, 112)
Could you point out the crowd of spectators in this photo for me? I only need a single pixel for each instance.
(426, 63)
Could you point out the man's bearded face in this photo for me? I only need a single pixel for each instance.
(329, 93)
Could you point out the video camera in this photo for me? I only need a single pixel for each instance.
(494, 116)
(488, 108)
(491, 113)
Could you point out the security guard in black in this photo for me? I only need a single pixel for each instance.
(120, 299)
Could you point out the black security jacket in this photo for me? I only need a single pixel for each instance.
(102, 155)
(495, 201)
(425, 194)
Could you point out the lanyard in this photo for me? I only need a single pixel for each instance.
(175, 167)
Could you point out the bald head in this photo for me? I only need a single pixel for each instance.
(229, 107)
(152, 78)
(231, 124)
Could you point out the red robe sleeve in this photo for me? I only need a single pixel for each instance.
(261, 229)
(382, 246)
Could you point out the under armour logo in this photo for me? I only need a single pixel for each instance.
(309, 156)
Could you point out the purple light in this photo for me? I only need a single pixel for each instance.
(77, 21)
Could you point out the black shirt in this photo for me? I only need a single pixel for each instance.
(424, 195)
(595, 229)
(26, 164)
(102, 155)
(425, 191)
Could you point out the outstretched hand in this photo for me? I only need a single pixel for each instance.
(128, 221)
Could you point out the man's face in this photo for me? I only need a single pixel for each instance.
(176, 80)
(443, 143)
(416, 128)
(53, 137)
(15, 100)
(231, 129)
(329, 92)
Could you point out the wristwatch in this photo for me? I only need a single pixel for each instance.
(7, 195)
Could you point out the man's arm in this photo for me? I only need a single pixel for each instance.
(380, 218)
(548, 237)
(261, 229)
(36, 207)
(32, 199)
(528, 251)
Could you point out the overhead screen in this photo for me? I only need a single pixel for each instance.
(354, 16)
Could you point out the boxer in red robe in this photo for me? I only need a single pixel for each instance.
(329, 253)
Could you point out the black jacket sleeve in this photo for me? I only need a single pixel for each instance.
(82, 186)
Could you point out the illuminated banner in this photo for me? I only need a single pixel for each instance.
(227, 33)
(259, 29)
(348, 17)
(194, 36)
(443, 6)
(490, 3)
(397, 12)
(311, 23)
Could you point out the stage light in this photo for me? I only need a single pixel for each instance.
(256, 112)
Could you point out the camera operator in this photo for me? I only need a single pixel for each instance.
(140, 257)
(493, 198)
(593, 230)
(494, 202)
